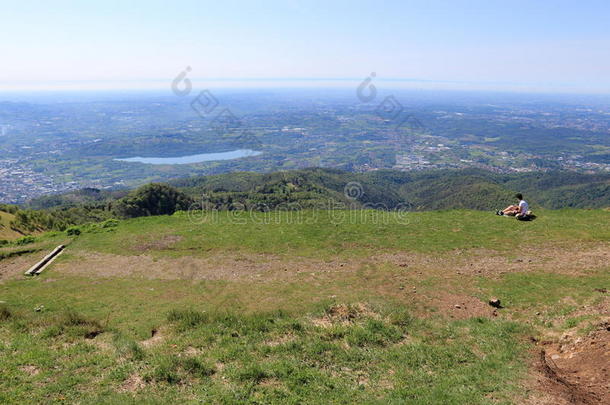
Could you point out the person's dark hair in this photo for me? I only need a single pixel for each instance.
(519, 196)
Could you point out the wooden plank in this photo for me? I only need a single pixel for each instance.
(47, 264)
(41, 265)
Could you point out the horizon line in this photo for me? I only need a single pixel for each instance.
(474, 86)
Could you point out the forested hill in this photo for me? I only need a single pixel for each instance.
(430, 190)
(316, 188)
(426, 190)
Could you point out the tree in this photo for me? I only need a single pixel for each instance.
(152, 199)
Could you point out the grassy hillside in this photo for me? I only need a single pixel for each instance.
(6, 232)
(303, 307)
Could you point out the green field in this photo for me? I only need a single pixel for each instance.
(298, 307)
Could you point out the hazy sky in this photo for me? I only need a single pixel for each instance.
(525, 45)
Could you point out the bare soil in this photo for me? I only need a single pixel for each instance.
(343, 314)
(29, 369)
(133, 383)
(157, 336)
(267, 267)
(163, 243)
(14, 267)
(462, 306)
(575, 371)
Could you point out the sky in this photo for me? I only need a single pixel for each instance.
(543, 45)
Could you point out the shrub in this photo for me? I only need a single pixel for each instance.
(109, 223)
(25, 240)
(73, 231)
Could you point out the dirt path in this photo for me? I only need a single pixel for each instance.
(249, 266)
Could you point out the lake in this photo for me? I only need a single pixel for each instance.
(184, 160)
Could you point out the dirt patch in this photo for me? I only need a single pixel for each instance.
(162, 243)
(14, 261)
(157, 336)
(29, 369)
(132, 384)
(280, 340)
(576, 371)
(251, 267)
(573, 260)
(347, 313)
(461, 306)
(344, 314)
(14, 267)
(270, 268)
(102, 344)
(190, 352)
(271, 382)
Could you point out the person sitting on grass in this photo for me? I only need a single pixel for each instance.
(519, 211)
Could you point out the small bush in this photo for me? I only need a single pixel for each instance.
(73, 231)
(3, 242)
(25, 240)
(109, 223)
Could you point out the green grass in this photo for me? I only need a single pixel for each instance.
(525, 289)
(137, 306)
(224, 357)
(330, 233)
(549, 299)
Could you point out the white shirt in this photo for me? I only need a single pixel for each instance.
(523, 207)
